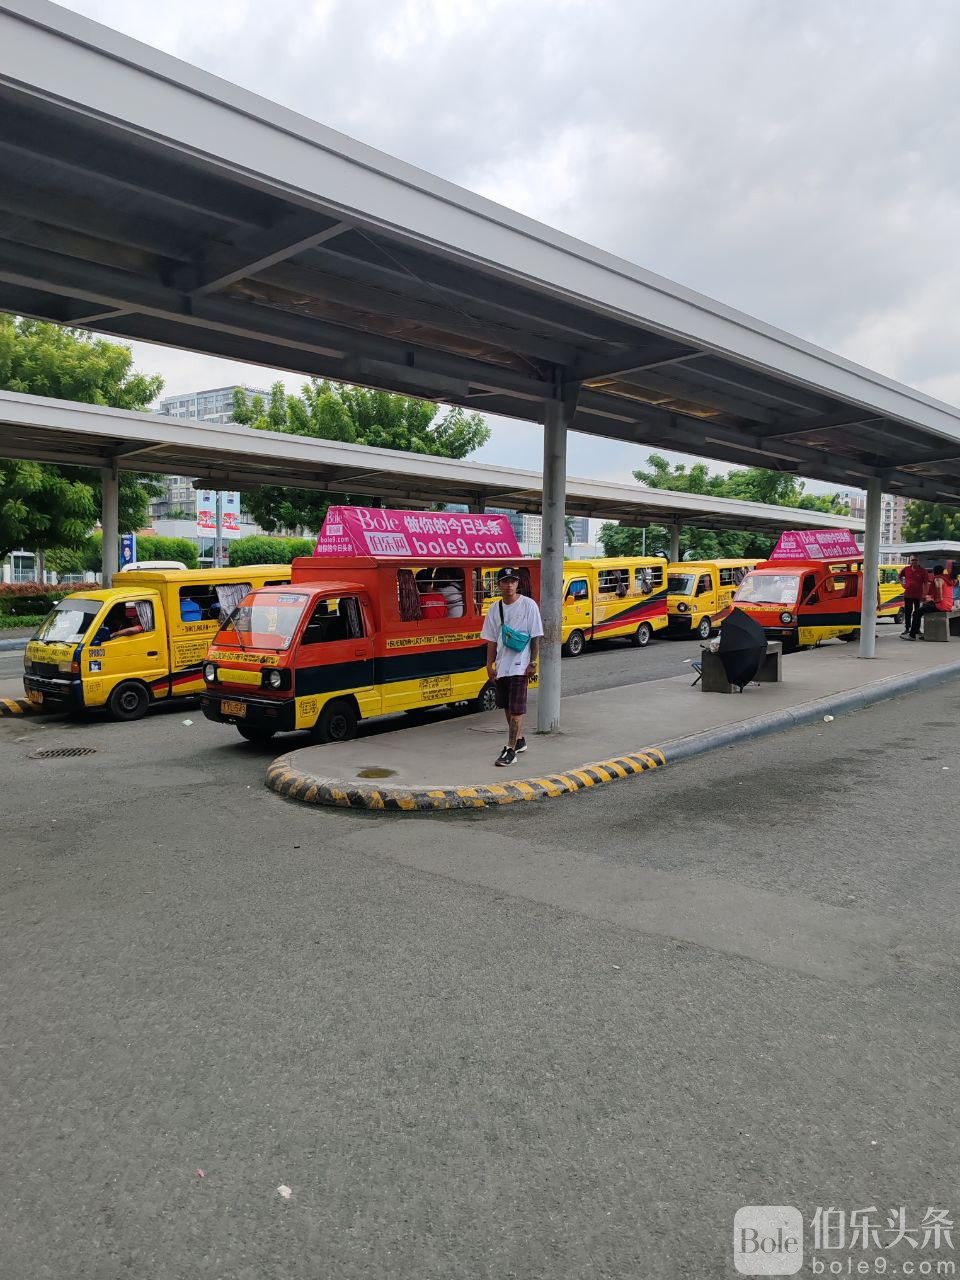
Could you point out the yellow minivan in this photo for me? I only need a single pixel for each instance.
(136, 643)
(614, 597)
(699, 593)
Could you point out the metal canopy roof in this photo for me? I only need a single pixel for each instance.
(240, 457)
(146, 199)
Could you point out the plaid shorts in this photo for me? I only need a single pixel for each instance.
(512, 695)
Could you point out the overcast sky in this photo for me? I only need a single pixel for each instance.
(795, 160)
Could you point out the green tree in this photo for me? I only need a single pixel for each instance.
(44, 506)
(750, 484)
(931, 522)
(354, 415)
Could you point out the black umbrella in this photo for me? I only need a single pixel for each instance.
(743, 647)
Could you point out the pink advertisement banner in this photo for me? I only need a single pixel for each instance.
(374, 531)
(816, 544)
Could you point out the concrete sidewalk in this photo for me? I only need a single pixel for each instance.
(605, 735)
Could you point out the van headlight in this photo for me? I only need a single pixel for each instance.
(786, 616)
(274, 679)
(683, 608)
(209, 672)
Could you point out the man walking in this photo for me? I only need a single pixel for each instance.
(913, 577)
(512, 630)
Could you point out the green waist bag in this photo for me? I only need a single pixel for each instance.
(513, 639)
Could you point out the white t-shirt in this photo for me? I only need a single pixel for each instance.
(454, 598)
(522, 615)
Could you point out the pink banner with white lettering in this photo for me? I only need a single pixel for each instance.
(816, 544)
(373, 531)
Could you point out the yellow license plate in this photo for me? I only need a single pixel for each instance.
(233, 709)
(35, 696)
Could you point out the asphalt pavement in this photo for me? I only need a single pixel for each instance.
(557, 1041)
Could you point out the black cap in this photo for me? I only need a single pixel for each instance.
(507, 572)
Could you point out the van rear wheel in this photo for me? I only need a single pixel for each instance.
(486, 699)
(643, 635)
(129, 701)
(704, 629)
(574, 645)
(851, 636)
(255, 732)
(337, 722)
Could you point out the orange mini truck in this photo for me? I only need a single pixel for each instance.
(801, 602)
(348, 640)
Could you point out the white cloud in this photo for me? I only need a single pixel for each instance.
(797, 161)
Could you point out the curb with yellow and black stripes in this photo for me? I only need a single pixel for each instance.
(286, 780)
(19, 707)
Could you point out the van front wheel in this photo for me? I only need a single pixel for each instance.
(129, 701)
(643, 635)
(574, 645)
(337, 722)
(704, 629)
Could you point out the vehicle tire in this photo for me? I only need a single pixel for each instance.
(851, 636)
(704, 629)
(129, 701)
(901, 616)
(574, 645)
(486, 699)
(337, 722)
(642, 636)
(255, 732)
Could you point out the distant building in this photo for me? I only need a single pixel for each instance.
(893, 512)
(215, 405)
(179, 500)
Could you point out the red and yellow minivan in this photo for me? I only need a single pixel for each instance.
(802, 602)
(348, 639)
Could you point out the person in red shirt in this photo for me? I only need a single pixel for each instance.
(939, 599)
(914, 577)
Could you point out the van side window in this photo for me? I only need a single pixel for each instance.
(643, 580)
(200, 602)
(726, 578)
(334, 620)
(478, 595)
(577, 590)
(613, 582)
(703, 585)
(408, 597)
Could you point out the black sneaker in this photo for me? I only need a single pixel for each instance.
(506, 756)
(521, 745)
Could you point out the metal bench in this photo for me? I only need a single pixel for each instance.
(714, 677)
(939, 627)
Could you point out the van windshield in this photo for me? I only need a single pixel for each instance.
(768, 588)
(681, 584)
(68, 622)
(265, 621)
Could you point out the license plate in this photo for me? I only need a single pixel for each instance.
(35, 696)
(233, 709)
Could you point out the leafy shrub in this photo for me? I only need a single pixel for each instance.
(28, 620)
(28, 599)
(259, 549)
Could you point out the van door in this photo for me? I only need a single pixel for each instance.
(130, 643)
(578, 607)
(335, 656)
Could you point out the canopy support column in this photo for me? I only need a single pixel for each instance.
(558, 415)
(871, 563)
(675, 542)
(110, 522)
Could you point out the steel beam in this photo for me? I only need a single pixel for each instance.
(558, 416)
(110, 522)
(871, 562)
